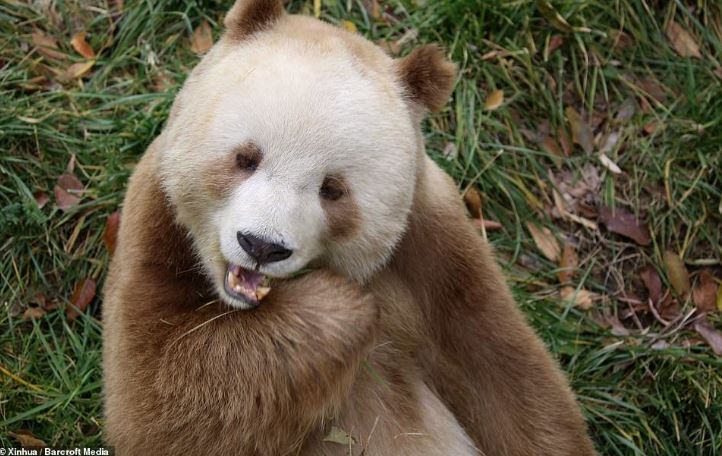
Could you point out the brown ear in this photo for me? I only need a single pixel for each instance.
(247, 17)
(427, 76)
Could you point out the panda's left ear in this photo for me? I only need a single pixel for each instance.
(428, 77)
(247, 17)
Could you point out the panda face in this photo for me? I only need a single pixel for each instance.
(287, 152)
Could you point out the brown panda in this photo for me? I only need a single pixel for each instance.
(296, 145)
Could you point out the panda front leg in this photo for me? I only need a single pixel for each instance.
(187, 374)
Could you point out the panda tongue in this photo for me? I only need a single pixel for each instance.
(249, 279)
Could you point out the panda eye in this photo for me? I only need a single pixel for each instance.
(332, 189)
(248, 158)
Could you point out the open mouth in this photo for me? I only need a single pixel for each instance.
(246, 286)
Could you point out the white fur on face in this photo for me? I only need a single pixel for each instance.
(313, 112)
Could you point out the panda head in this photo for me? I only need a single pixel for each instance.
(295, 144)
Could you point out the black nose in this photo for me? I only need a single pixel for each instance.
(262, 251)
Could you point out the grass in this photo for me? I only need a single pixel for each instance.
(641, 397)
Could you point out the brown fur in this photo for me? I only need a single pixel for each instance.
(437, 326)
(247, 17)
(342, 217)
(477, 351)
(428, 77)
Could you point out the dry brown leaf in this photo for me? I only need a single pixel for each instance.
(564, 141)
(568, 263)
(494, 100)
(554, 43)
(41, 199)
(110, 234)
(545, 241)
(472, 199)
(581, 299)
(373, 8)
(682, 40)
(63, 199)
(581, 131)
(652, 282)
(710, 334)
(66, 191)
(77, 70)
(704, 293)
(26, 438)
(46, 45)
(202, 38)
(650, 127)
(83, 294)
(609, 164)
(81, 46)
(33, 313)
(623, 222)
(550, 146)
(677, 272)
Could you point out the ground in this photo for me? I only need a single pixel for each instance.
(562, 111)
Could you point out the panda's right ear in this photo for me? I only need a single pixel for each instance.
(247, 17)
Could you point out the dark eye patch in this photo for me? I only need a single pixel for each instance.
(248, 157)
(333, 188)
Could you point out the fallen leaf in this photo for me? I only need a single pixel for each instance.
(338, 435)
(554, 43)
(564, 141)
(710, 334)
(581, 299)
(202, 38)
(46, 45)
(350, 26)
(623, 222)
(451, 151)
(63, 199)
(609, 142)
(33, 313)
(373, 8)
(704, 293)
(609, 164)
(581, 131)
(68, 181)
(545, 241)
(550, 146)
(650, 127)
(81, 46)
(677, 272)
(83, 294)
(41, 199)
(110, 234)
(626, 111)
(26, 439)
(494, 100)
(568, 263)
(682, 40)
(472, 199)
(77, 70)
(618, 329)
(652, 282)
(66, 191)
